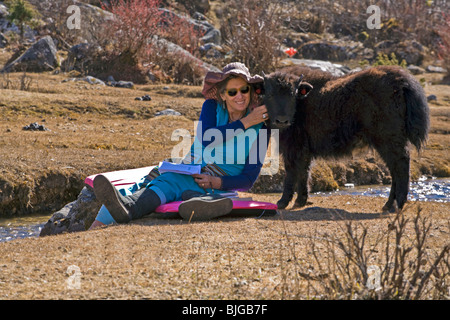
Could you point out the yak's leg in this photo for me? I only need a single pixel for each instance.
(397, 160)
(402, 185)
(288, 188)
(302, 182)
(389, 205)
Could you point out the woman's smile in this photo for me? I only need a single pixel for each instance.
(236, 104)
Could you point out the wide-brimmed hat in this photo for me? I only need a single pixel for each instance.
(212, 78)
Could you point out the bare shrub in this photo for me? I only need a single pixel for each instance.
(135, 22)
(393, 266)
(24, 82)
(252, 32)
(130, 50)
(400, 20)
(177, 29)
(175, 67)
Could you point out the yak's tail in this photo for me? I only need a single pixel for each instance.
(417, 113)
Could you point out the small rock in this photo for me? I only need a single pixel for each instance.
(434, 69)
(124, 84)
(415, 69)
(92, 80)
(168, 112)
(144, 98)
(432, 97)
(120, 84)
(35, 127)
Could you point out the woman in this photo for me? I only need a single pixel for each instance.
(232, 113)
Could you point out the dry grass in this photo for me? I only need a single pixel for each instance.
(95, 129)
(223, 259)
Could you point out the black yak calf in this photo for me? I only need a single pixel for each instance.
(326, 116)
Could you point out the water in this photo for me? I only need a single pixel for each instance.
(423, 190)
(22, 227)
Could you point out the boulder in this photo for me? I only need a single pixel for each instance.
(335, 69)
(415, 69)
(79, 56)
(409, 50)
(75, 216)
(172, 48)
(435, 69)
(210, 33)
(88, 79)
(167, 112)
(41, 56)
(341, 50)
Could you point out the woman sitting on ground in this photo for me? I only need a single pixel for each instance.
(231, 111)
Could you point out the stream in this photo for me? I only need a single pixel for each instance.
(422, 190)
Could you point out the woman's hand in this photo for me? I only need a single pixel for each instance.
(258, 115)
(206, 181)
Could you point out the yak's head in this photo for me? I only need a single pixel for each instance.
(282, 93)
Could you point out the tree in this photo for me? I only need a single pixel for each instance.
(21, 12)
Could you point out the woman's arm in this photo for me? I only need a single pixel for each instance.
(248, 176)
(250, 173)
(208, 119)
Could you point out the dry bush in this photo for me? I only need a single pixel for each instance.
(252, 31)
(174, 66)
(392, 266)
(401, 20)
(130, 52)
(135, 22)
(24, 82)
(176, 29)
(169, 57)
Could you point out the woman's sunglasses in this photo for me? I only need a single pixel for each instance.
(243, 90)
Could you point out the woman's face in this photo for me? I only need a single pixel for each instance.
(240, 101)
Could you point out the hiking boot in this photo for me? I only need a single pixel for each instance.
(205, 207)
(125, 208)
(108, 195)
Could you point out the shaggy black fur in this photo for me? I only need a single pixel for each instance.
(384, 107)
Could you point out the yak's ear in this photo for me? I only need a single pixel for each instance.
(303, 90)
